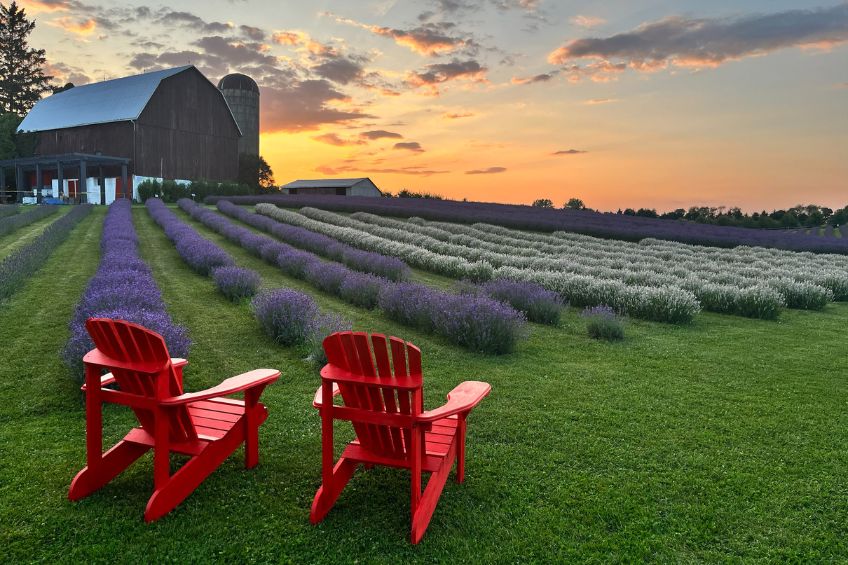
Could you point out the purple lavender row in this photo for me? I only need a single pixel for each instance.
(473, 320)
(289, 317)
(391, 268)
(122, 288)
(236, 283)
(596, 224)
(22, 263)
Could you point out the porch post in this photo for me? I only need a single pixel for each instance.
(127, 191)
(101, 183)
(19, 182)
(60, 178)
(83, 181)
(39, 180)
(2, 184)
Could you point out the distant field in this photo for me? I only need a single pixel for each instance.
(719, 439)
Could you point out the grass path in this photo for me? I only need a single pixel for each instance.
(720, 441)
(20, 237)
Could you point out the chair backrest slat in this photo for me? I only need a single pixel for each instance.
(368, 356)
(127, 343)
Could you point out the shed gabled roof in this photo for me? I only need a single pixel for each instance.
(116, 100)
(326, 183)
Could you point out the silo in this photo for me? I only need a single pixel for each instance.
(242, 94)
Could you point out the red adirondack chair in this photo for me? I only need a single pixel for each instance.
(203, 425)
(392, 428)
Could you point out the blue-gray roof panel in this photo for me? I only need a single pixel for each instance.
(115, 100)
(324, 183)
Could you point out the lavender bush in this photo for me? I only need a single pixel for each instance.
(538, 304)
(321, 327)
(362, 289)
(603, 323)
(476, 322)
(236, 283)
(122, 288)
(286, 315)
(23, 262)
(11, 222)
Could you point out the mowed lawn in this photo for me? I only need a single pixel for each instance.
(724, 440)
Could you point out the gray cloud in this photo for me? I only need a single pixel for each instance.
(380, 134)
(254, 33)
(340, 69)
(487, 171)
(413, 146)
(302, 106)
(439, 73)
(568, 152)
(706, 42)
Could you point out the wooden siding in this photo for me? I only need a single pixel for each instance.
(186, 131)
(113, 139)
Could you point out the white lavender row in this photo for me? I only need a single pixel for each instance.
(725, 292)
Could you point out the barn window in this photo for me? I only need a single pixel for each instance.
(340, 192)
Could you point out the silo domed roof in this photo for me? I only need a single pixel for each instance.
(238, 81)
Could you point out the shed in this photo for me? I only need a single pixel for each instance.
(340, 187)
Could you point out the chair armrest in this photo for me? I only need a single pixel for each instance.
(105, 380)
(257, 377)
(319, 400)
(461, 399)
(178, 362)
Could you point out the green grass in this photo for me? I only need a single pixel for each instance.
(721, 441)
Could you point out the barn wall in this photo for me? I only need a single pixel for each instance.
(318, 190)
(187, 132)
(113, 139)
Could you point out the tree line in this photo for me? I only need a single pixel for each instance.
(800, 216)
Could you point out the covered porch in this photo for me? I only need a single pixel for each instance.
(71, 177)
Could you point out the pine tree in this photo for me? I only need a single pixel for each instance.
(22, 78)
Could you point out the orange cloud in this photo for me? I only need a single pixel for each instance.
(427, 39)
(457, 115)
(78, 27)
(38, 6)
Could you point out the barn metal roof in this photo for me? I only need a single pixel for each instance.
(116, 100)
(325, 183)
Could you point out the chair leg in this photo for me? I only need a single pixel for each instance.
(183, 482)
(113, 462)
(327, 495)
(427, 505)
(460, 455)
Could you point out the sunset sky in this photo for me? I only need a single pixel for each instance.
(622, 103)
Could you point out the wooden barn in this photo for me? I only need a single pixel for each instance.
(339, 187)
(99, 139)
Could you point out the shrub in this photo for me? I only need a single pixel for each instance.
(409, 304)
(286, 315)
(759, 302)
(326, 276)
(202, 255)
(236, 283)
(539, 305)
(603, 323)
(294, 262)
(477, 322)
(361, 289)
(323, 326)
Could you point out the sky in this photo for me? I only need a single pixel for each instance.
(622, 103)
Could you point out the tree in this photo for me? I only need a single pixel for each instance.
(22, 78)
(58, 89)
(255, 172)
(575, 204)
(543, 203)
